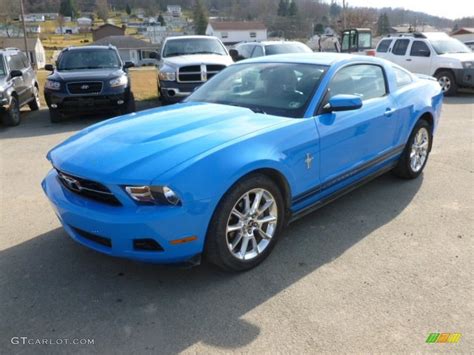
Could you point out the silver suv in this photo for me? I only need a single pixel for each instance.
(18, 86)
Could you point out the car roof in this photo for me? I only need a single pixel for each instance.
(189, 37)
(323, 58)
(75, 48)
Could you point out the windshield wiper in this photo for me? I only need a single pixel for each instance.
(257, 110)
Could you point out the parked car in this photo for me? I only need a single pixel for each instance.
(247, 50)
(431, 53)
(88, 79)
(18, 86)
(265, 142)
(186, 63)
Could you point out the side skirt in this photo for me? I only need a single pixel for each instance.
(328, 199)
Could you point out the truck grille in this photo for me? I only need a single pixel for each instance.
(88, 188)
(94, 87)
(198, 73)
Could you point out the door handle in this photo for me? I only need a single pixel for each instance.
(408, 60)
(389, 111)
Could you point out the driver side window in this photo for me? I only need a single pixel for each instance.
(364, 80)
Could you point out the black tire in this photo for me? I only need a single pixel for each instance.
(216, 248)
(447, 81)
(12, 116)
(404, 167)
(129, 106)
(55, 116)
(35, 104)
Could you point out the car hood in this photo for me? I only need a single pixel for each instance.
(198, 59)
(463, 57)
(138, 148)
(94, 74)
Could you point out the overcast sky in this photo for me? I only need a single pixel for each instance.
(444, 8)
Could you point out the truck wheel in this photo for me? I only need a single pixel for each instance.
(447, 82)
(55, 116)
(12, 117)
(35, 104)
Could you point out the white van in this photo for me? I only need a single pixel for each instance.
(431, 53)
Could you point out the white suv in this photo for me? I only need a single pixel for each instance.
(431, 53)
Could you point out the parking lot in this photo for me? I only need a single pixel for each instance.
(376, 271)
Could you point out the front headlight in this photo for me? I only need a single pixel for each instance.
(52, 85)
(167, 76)
(120, 81)
(468, 65)
(160, 195)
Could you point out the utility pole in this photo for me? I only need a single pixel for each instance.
(344, 13)
(22, 9)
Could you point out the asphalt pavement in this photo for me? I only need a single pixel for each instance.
(375, 271)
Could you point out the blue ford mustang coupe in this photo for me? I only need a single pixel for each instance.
(264, 142)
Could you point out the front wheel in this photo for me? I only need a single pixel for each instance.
(54, 116)
(35, 104)
(414, 157)
(130, 106)
(246, 224)
(447, 82)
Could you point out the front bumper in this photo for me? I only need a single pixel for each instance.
(67, 103)
(172, 91)
(465, 77)
(122, 226)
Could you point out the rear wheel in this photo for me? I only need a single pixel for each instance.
(417, 150)
(12, 117)
(447, 82)
(246, 224)
(35, 104)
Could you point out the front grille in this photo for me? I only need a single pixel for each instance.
(196, 73)
(106, 242)
(88, 188)
(78, 88)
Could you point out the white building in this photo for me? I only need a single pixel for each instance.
(174, 10)
(84, 22)
(66, 30)
(34, 18)
(232, 32)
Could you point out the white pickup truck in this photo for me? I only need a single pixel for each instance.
(186, 62)
(431, 53)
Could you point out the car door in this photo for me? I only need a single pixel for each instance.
(418, 59)
(15, 62)
(399, 51)
(353, 139)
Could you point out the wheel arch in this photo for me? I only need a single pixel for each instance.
(439, 70)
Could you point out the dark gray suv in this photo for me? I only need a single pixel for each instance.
(18, 86)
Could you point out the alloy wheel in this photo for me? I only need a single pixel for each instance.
(251, 224)
(419, 149)
(445, 83)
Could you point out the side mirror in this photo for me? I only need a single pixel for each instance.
(49, 67)
(343, 103)
(16, 74)
(128, 64)
(234, 54)
(155, 55)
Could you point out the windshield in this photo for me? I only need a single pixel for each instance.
(282, 48)
(188, 46)
(449, 45)
(89, 59)
(282, 89)
(2, 67)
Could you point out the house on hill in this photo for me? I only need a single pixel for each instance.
(107, 30)
(232, 32)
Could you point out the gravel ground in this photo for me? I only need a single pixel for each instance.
(376, 271)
